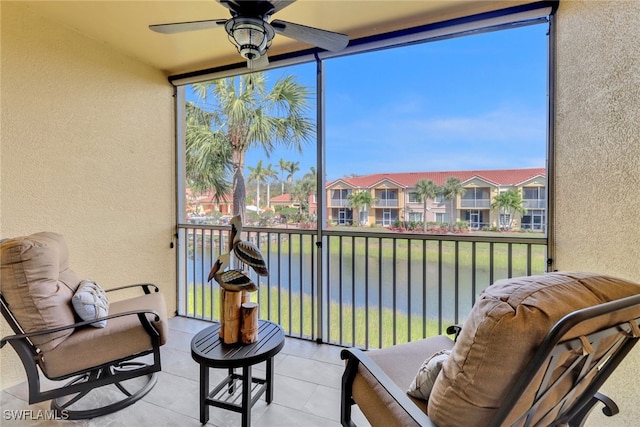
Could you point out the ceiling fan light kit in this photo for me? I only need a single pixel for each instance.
(251, 36)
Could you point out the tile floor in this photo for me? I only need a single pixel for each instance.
(306, 391)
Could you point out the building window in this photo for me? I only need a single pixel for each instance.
(442, 217)
(505, 220)
(534, 219)
(415, 216)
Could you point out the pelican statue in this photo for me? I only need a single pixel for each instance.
(246, 252)
(230, 280)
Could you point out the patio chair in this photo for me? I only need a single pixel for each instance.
(70, 331)
(534, 351)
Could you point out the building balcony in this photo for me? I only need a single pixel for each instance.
(475, 203)
(534, 203)
(387, 203)
(338, 203)
(432, 283)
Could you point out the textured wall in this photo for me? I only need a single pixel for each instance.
(598, 158)
(87, 151)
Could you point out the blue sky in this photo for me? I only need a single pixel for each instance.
(476, 102)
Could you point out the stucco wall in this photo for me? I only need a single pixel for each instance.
(87, 151)
(598, 159)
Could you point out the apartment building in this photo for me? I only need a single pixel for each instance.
(395, 198)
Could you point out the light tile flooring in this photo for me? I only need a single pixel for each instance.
(306, 391)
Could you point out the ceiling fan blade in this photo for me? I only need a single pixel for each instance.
(324, 39)
(179, 27)
(278, 5)
(261, 62)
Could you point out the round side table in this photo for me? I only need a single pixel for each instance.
(211, 352)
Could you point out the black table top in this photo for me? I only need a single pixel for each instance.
(208, 349)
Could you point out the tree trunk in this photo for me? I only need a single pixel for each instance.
(258, 196)
(268, 194)
(424, 215)
(239, 190)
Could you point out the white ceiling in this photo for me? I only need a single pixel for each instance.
(124, 24)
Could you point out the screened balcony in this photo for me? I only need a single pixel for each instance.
(103, 106)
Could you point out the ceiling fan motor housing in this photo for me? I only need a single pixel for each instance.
(251, 36)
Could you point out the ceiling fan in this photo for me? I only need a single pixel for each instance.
(251, 32)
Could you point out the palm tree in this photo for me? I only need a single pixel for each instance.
(292, 167)
(312, 174)
(452, 189)
(359, 201)
(269, 175)
(283, 167)
(300, 193)
(510, 202)
(207, 155)
(426, 189)
(258, 174)
(303, 188)
(247, 114)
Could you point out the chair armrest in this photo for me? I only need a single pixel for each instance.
(355, 357)
(145, 287)
(455, 331)
(139, 313)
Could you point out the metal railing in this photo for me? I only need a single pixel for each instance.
(340, 203)
(375, 289)
(475, 203)
(534, 203)
(381, 203)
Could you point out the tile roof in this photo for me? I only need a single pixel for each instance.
(504, 177)
(281, 198)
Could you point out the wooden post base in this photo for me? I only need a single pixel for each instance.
(239, 317)
(249, 324)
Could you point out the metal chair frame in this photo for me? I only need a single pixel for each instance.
(114, 372)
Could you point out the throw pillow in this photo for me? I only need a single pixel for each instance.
(90, 302)
(425, 378)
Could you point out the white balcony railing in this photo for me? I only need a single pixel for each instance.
(390, 203)
(338, 203)
(475, 203)
(534, 203)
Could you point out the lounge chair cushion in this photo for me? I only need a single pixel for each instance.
(500, 336)
(91, 302)
(122, 337)
(400, 363)
(42, 284)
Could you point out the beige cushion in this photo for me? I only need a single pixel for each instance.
(38, 284)
(122, 337)
(400, 363)
(500, 336)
